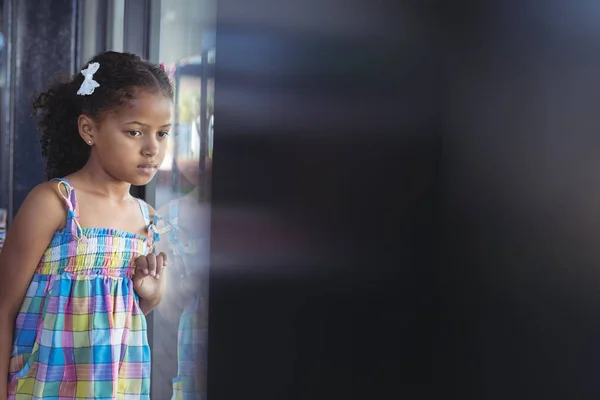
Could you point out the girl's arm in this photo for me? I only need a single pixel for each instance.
(30, 233)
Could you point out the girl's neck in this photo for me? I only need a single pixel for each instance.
(98, 181)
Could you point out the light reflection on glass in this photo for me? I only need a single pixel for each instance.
(183, 200)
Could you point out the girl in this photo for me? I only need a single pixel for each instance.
(78, 273)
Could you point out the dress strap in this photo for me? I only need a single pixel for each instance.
(145, 211)
(150, 222)
(67, 192)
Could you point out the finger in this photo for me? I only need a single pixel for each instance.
(142, 265)
(160, 264)
(151, 263)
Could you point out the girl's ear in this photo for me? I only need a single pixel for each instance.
(87, 128)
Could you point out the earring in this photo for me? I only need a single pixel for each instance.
(90, 142)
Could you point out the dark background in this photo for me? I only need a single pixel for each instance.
(329, 136)
(520, 197)
(446, 189)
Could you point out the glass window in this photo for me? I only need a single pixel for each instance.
(89, 45)
(186, 47)
(116, 14)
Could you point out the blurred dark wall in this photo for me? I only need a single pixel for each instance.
(444, 193)
(324, 215)
(520, 193)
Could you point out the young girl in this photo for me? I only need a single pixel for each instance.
(78, 270)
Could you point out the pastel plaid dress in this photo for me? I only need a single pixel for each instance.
(80, 332)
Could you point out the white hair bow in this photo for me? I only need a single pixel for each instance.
(89, 84)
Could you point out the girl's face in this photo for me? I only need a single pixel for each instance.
(130, 143)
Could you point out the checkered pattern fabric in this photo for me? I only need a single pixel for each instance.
(80, 332)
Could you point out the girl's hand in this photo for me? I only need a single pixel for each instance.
(149, 279)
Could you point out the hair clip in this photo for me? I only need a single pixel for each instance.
(162, 66)
(89, 84)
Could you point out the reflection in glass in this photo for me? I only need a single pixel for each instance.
(183, 200)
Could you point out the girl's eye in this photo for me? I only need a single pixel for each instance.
(134, 133)
(163, 134)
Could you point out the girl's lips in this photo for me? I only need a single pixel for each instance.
(147, 169)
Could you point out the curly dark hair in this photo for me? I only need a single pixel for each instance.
(121, 76)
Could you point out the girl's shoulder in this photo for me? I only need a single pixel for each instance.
(149, 210)
(49, 192)
(44, 202)
(152, 217)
